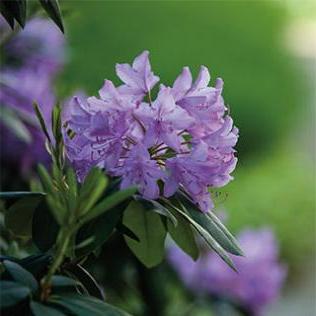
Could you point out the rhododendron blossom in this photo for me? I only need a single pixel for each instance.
(184, 138)
(260, 274)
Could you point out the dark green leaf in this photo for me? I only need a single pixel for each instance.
(36, 264)
(39, 309)
(11, 293)
(126, 231)
(108, 203)
(157, 207)
(57, 208)
(63, 281)
(205, 221)
(52, 9)
(100, 229)
(86, 279)
(18, 218)
(80, 305)
(149, 228)
(7, 14)
(17, 9)
(44, 227)
(183, 235)
(20, 194)
(21, 275)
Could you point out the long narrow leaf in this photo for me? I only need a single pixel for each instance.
(206, 236)
(109, 202)
(86, 279)
(92, 189)
(20, 194)
(41, 121)
(228, 243)
(52, 9)
(7, 14)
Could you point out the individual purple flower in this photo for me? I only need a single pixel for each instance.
(164, 120)
(204, 103)
(98, 138)
(138, 79)
(139, 169)
(185, 134)
(260, 274)
(196, 172)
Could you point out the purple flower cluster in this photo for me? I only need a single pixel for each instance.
(182, 138)
(258, 281)
(32, 59)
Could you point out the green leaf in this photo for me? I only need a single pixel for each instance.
(45, 178)
(225, 231)
(37, 265)
(108, 203)
(18, 218)
(62, 281)
(17, 9)
(157, 207)
(44, 228)
(183, 235)
(21, 275)
(205, 235)
(41, 121)
(20, 194)
(72, 183)
(230, 244)
(39, 309)
(80, 305)
(86, 279)
(56, 123)
(92, 189)
(100, 229)
(149, 228)
(122, 229)
(11, 293)
(52, 9)
(7, 14)
(15, 125)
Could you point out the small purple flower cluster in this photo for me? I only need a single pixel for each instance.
(258, 281)
(31, 60)
(184, 137)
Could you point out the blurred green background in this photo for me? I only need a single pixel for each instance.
(269, 91)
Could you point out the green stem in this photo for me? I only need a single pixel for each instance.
(63, 240)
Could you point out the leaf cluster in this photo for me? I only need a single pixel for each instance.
(14, 11)
(150, 221)
(20, 290)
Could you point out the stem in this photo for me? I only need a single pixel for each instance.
(151, 287)
(63, 241)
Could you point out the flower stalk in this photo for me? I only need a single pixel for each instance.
(63, 241)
